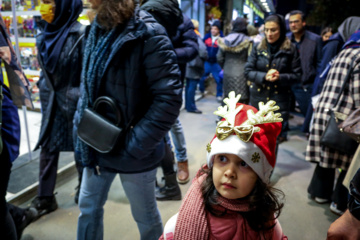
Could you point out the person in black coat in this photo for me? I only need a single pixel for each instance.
(129, 58)
(60, 50)
(273, 67)
(181, 32)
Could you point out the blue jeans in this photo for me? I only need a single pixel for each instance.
(303, 96)
(190, 94)
(178, 138)
(214, 69)
(139, 189)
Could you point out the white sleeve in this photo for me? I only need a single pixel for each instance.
(169, 228)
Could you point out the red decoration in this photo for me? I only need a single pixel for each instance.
(212, 2)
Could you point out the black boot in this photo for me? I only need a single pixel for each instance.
(171, 190)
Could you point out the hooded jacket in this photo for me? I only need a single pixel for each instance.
(233, 52)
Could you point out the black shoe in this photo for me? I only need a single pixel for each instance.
(44, 205)
(195, 111)
(29, 216)
(171, 190)
(281, 139)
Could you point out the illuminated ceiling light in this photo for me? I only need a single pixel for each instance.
(263, 0)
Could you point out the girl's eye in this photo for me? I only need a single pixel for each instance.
(222, 158)
(244, 164)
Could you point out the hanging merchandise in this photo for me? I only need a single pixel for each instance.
(212, 2)
(215, 13)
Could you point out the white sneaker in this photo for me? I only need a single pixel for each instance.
(219, 99)
(321, 200)
(334, 209)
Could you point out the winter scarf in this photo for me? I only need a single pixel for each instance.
(192, 222)
(354, 41)
(96, 54)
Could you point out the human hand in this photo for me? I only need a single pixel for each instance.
(346, 227)
(272, 75)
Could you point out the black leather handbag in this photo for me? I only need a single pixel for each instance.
(98, 132)
(332, 137)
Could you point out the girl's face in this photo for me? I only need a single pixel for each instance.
(326, 36)
(272, 32)
(232, 177)
(94, 4)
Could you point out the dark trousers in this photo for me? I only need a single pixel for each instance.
(190, 89)
(48, 172)
(303, 96)
(10, 215)
(322, 186)
(167, 163)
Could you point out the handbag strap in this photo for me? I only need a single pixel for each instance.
(109, 101)
(347, 77)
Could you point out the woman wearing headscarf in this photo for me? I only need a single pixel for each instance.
(332, 47)
(232, 55)
(13, 93)
(60, 53)
(272, 67)
(321, 187)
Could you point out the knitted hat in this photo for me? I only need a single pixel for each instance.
(217, 24)
(247, 133)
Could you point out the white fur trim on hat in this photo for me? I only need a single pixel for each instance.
(247, 151)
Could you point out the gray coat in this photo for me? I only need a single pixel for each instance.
(232, 56)
(195, 68)
(59, 93)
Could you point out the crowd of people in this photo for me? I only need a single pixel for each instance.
(142, 56)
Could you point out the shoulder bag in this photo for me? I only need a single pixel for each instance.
(332, 137)
(351, 125)
(98, 132)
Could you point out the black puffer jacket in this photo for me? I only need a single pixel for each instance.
(59, 93)
(286, 61)
(185, 44)
(142, 76)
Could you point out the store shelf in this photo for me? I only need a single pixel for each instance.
(24, 40)
(32, 72)
(20, 13)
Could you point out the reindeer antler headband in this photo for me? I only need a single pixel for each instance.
(246, 129)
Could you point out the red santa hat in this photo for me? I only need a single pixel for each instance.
(247, 133)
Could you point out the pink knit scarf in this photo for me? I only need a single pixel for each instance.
(191, 222)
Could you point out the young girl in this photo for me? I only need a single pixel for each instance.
(230, 197)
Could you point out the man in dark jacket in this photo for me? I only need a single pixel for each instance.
(309, 46)
(211, 65)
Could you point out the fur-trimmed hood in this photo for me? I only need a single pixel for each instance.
(286, 45)
(234, 42)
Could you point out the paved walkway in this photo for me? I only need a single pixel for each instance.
(301, 218)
